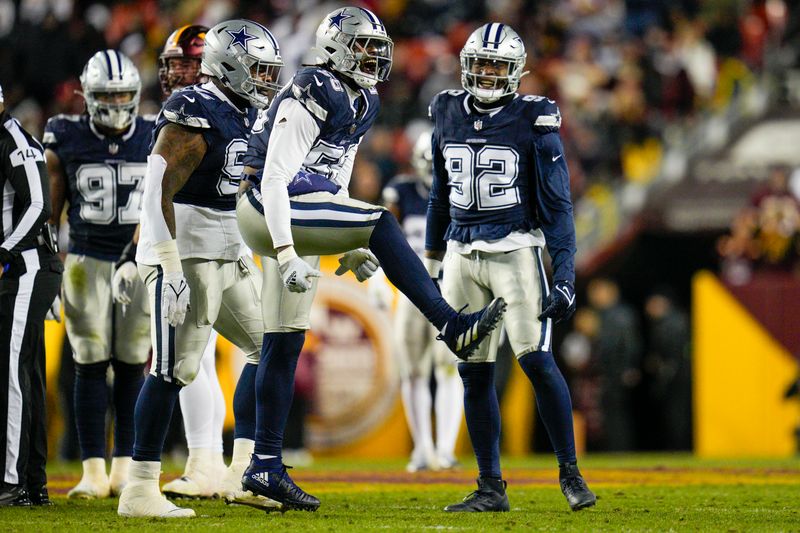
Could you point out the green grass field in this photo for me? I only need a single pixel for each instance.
(636, 493)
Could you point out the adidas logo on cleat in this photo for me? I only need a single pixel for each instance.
(262, 478)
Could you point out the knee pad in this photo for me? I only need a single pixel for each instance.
(92, 370)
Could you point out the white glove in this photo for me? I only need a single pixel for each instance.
(295, 272)
(54, 313)
(122, 283)
(380, 292)
(361, 262)
(174, 298)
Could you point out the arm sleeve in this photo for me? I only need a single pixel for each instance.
(554, 205)
(24, 168)
(292, 136)
(438, 204)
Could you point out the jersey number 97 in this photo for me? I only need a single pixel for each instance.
(97, 184)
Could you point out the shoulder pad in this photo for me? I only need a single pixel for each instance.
(544, 112)
(56, 127)
(438, 101)
(187, 109)
(317, 89)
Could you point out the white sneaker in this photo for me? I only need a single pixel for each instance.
(143, 499)
(422, 461)
(234, 494)
(448, 462)
(94, 483)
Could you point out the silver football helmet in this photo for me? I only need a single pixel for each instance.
(246, 58)
(111, 86)
(354, 42)
(492, 62)
(422, 158)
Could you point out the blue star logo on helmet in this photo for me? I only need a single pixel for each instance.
(338, 18)
(240, 38)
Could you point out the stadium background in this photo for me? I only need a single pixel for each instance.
(681, 131)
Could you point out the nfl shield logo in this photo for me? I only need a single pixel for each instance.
(113, 148)
(478, 125)
(353, 129)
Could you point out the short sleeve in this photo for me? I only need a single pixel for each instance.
(185, 109)
(318, 91)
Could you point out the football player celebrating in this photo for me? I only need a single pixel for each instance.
(310, 137)
(500, 195)
(97, 165)
(406, 196)
(190, 249)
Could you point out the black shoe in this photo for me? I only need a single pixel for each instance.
(574, 488)
(14, 496)
(490, 497)
(39, 496)
(277, 486)
(465, 332)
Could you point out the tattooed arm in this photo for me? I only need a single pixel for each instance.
(182, 150)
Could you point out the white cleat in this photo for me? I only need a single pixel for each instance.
(90, 489)
(118, 477)
(143, 499)
(234, 494)
(200, 480)
(94, 483)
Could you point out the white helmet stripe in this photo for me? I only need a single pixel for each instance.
(376, 23)
(108, 65)
(119, 63)
(271, 37)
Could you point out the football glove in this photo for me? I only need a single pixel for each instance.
(125, 276)
(174, 298)
(297, 274)
(54, 313)
(360, 262)
(560, 304)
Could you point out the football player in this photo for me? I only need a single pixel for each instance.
(500, 195)
(406, 196)
(189, 250)
(97, 165)
(301, 208)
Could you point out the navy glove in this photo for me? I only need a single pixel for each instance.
(560, 305)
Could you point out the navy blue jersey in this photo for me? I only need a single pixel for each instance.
(342, 124)
(105, 178)
(225, 129)
(496, 173)
(410, 195)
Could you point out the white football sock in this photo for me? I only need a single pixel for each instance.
(416, 397)
(449, 409)
(141, 471)
(197, 404)
(218, 420)
(242, 450)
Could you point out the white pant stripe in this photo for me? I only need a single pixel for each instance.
(547, 325)
(330, 214)
(14, 418)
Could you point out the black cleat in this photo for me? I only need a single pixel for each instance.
(464, 334)
(40, 496)
(277, 486)
(575, 489)
(490, 497)
(14, 496)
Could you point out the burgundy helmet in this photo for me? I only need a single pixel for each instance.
(179, 62)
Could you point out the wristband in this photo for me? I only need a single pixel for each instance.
(433, 266)
(168, 256)
(286, 255)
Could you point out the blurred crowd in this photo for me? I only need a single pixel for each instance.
(621, 70)
(765, 235)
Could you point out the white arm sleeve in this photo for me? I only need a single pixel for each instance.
(292, 137)
(153, 226)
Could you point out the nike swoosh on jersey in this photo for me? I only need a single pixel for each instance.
(557, 157)
(319, 83)
(189, 98)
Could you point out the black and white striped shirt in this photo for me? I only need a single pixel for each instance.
(25, 188)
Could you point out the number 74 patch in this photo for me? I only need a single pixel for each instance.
(21, 155)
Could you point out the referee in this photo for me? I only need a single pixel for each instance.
(31, 277)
